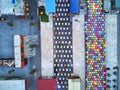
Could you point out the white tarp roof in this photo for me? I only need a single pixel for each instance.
(17, 40)
(12, 84)
(17, 50)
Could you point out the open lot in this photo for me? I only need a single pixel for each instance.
(20, 26)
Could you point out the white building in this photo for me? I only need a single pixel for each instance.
(74, 84)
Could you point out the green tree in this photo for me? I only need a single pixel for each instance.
(10, 24)
(31, 23)
(11, 71)
(32, 45)
(32, 71)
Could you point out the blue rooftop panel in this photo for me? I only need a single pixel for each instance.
(117, 3)
(75, 6)
(13, 1)
(50, 6)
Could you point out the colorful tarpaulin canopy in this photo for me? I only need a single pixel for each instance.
(95, 46)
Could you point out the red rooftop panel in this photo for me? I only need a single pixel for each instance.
(46, 84)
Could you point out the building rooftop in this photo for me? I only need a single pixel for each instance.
(8, 7)
(117, 3)
(75, 6)
(45, 84)
(50, 6)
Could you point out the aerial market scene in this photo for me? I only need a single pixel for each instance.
(59, 44)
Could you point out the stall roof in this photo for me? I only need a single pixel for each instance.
(17, 40)
(75, 6)
(17, 50)
(50, 6)
(117, 3)
(17, 56)
(45, 84)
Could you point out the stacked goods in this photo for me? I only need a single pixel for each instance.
(95, 46)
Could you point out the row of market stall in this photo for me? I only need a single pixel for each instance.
(19, 50)
(95, 46)
(63, 61)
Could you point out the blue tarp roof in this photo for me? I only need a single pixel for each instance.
(117, 3)
(75, 6)
(13, 1)
(50, 6)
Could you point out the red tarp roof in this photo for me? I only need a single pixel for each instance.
(46, 84)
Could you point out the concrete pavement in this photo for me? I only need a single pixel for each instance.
(6, 48)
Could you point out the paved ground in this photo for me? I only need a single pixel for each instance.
(20, 27)
(118, 52)
(111, 50)
(47, 48)
(79, 48)
(7, 33)
(6, 47)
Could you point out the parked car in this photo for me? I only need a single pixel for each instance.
(2, 18)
